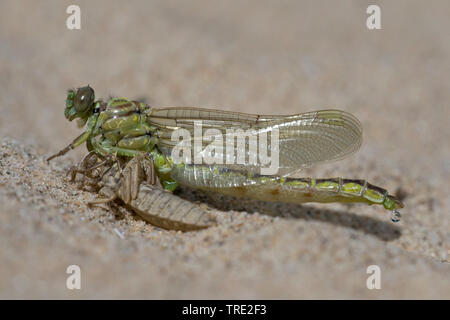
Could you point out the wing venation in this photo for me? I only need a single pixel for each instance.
(304, 139)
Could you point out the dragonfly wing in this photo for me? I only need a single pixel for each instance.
(303, 139)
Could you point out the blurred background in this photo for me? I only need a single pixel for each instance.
(265, 57)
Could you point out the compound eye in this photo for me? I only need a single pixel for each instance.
(84, 99)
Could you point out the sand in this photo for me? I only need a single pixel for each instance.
(252, 57)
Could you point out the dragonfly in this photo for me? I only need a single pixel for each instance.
(126, 128)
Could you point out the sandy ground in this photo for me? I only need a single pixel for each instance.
(247, 56)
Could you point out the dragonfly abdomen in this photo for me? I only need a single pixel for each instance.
(280, 189)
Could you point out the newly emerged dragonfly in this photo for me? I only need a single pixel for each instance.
(127, 128)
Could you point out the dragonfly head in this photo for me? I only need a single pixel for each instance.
(80, 103)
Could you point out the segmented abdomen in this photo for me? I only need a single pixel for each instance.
(163, 209)
(279, 189)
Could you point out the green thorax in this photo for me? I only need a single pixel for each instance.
(124, 129)
(123, 124)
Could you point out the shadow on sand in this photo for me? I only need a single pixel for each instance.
(384, 230)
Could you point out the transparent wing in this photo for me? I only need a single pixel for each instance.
(303, 139)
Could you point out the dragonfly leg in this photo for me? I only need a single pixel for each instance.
(85, 166)
(106, 148)
(75, 143)
(110, 195)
